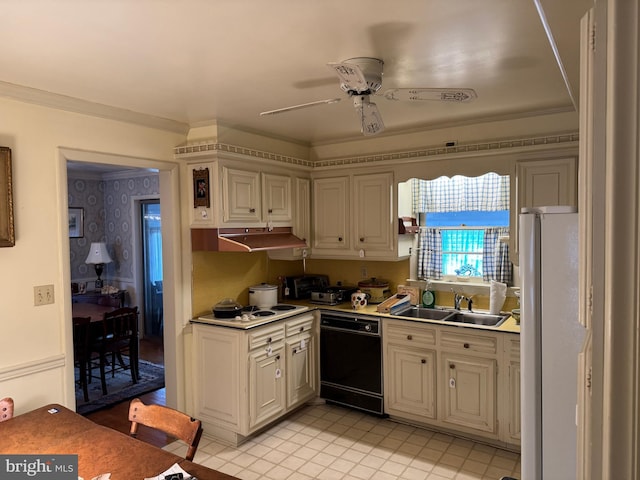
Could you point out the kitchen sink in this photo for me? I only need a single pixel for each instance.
(453, 316)
(477, 318)
(426, 313)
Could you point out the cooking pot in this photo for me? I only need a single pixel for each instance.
(378, 290)
(227, 308)
(263, 295)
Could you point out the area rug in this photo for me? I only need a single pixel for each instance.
(120, 387)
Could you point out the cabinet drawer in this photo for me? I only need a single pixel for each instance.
(299, 325)
(469, 343)
(415, 335)
(513, 347)
(266, 336)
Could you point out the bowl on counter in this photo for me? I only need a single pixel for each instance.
(515, 313)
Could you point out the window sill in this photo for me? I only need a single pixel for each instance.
(469, 287)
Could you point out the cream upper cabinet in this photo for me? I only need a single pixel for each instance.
(241, 196)
(330, 213)
(373, 217)
(353, 217)
(542, 183)
(222, 195)
(276, 198)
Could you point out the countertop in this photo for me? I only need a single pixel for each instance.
(509, 325)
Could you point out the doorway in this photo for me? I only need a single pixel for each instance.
(151, 236)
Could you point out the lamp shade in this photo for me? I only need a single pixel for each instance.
(98, 254)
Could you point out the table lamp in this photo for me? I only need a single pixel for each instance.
(98, 256)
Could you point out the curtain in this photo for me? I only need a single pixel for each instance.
(495, 256)
(429, 253)
(489, 192)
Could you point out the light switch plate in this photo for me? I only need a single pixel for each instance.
(43, 295)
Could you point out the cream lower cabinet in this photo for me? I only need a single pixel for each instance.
(459, 380)
(246, 379)
(410, 371)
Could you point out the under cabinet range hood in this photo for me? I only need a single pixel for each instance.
(254, 239)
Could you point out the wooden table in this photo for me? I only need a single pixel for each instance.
(99, 449)
(93, 310)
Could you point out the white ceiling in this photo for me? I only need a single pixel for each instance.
(197, 61)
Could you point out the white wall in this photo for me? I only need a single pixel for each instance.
(35, 341)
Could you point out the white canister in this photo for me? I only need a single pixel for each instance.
(263, 295)
(359, 300)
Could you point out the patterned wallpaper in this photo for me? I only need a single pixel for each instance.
(108, 217)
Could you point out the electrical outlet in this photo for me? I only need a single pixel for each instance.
(363, 272)
(43, 295)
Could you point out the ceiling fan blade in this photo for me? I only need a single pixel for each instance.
(302, 105)
(370, 118)
(458, 95)
(351, 77)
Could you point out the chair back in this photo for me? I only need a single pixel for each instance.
(6, 409)
(120, 325)
(175, 423)
(81, 338)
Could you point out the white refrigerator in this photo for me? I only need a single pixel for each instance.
(551, 338)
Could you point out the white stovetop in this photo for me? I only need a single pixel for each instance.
(249, 321)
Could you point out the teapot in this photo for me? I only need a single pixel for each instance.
(359, 300)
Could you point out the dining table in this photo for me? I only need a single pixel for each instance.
(56, 430)
(93, 310)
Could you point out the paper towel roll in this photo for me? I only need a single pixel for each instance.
(497, 296)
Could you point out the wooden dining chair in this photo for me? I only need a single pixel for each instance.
(172, 422)
(118, 336)
(81, 351)
(6, 409)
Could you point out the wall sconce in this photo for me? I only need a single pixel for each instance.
(98, 256)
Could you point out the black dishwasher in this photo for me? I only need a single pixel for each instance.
(351, 361)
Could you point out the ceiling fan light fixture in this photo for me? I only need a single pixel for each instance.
(370, 118)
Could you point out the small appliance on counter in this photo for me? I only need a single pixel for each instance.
(300, 287)
(377, 289)
(332, 295)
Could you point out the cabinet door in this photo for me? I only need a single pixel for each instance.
(542, 183)
(201, 186)
(373, 214)
(266, 386)
(276, 198)
(410, 389)
(241, 195)
(302, 207)
(217, 376)
(301, 378)
(331, 207)
(469, 392)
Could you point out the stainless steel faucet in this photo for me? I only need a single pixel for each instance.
(458, 297)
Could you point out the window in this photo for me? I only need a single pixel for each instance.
(465, 222)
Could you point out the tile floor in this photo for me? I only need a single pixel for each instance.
(336, 443)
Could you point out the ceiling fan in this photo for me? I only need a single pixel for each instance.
(361, 77)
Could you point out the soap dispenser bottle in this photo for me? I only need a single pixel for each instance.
(429, 296)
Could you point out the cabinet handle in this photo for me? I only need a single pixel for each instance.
(269, 340)
(362, 239)
(339, 239)
(424, 360)
(409, 337)
(466, 345)
(252, 210)
(270, 210)
(302, 329)
(452, 366)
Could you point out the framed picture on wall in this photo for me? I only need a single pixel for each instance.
(7, 234)
(201, 197)
(76, 222)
